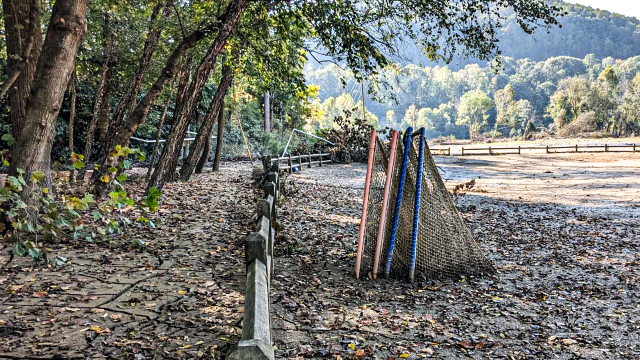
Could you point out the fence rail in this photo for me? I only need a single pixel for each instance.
(549, 149)
(255, 342)
(300, 160)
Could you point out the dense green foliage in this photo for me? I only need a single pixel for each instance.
(523, 92)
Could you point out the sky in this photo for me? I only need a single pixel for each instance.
(624, 7)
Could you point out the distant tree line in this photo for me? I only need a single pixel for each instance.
(507, 98)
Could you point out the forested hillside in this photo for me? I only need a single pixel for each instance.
(529, 89)
(584, 31)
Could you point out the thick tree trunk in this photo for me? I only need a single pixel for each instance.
(32, 150)
(22, 22)
(210, 121)
(72, 116)
(129, 100)
(267, 113)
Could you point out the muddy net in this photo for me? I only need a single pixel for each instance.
(445, 247)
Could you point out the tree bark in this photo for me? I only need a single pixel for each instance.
(159, 132)
(170, 69)
(267, 113)
(72, 116)
(22, 23)
(182, 117)
(102, 93)
(220, 141)
(129, 100)
(168, 160)
(32, 150)
(217, 103)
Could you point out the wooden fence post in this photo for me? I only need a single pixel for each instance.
(634, 147)
(547, 149)
(299, 162)
(309, 160)
(606, 148)
(290, 163)
(519, 150)
(463, 151)
(490, 153)
(320, 157)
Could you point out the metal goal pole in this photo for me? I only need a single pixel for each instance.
(396, 214)
(385, 200)
(365, 203)
(416, 211)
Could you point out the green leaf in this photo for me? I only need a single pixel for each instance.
(59, 261)
(122, 177)
(78, 165)
(19, 249)
(20, 171)
(38, 176)
(126, 164)
(9, 139)
(87, 199)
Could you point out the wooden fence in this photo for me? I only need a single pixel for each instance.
(300, 161)
(549, 149)
(255, 342)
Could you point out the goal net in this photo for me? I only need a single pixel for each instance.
(444, 247)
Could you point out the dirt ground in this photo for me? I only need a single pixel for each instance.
(562, 229)
(181, 296)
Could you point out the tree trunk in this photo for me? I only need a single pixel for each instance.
(159, 132)
(128, 101)
(103, 113)
(219, 142)
(228, 20)
(205, 153)
(182, 117)
(101, 94)
(32, 150)
(217, 103)
(267, 113)
(169, 159)
(72, 115)
(22, 23)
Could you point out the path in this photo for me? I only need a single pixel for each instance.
(178, 298)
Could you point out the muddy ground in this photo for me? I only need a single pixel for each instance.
(562, 230)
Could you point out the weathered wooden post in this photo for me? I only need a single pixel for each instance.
(320, 157)
(309, 160)
(490, 153)
(576, 148)
(547, 149)
(519, 150)
(606, 148)
(463, 151)
(634, 147)
(290, 163)
(299, 162)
